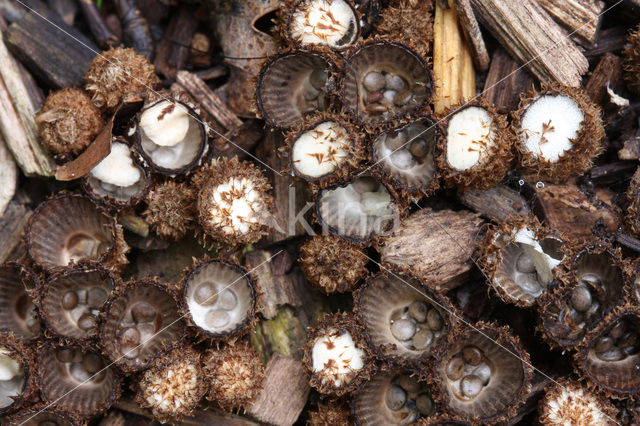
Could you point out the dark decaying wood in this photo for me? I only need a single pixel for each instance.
(498, 203)
(59, 55)
(12, 225)
(98, 25)
(436, 246)
(135, 27)
(505, 81)
(580, 17)
(473, 35)
(610, 173)
(567, 209)
(66, 9)
(284, 393)
(173, 51)
(608, 70)
(610, 40)
(525, 30)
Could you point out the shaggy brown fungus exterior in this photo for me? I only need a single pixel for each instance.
(170, 209)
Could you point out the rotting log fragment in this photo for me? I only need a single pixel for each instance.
(580, 17)
(473, 35)
(498, 203)
(608, 71)
(436, 246)
(505, 81)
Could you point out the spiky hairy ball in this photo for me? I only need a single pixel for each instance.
(173, 386)
(235, 375)
(330, 414)
(569, 403)
(332, 264)
(68, 121)
(632, 61)
(170, 209)
(398, 22)
(234, 202)
(118, 72)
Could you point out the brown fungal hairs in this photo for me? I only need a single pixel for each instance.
(170, 209)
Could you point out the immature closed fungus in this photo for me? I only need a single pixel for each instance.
(294, 84)
(358, 209)
(119, 180)
(173, 385)
(218, 298)
(483, 374)
(171, 209)
(171, 137)
(325, 149)
(17, 374)
(71, 301)
(332, 264)
(568, 402)
(609, 355)
(631, 65)
(398, 22)
(68, 121)
(476, 152)
(331, 23)
(18, 313)
(118, 72)
(522, 260)
(234, 375)
(559, 132)
(336, 355)
(69, 228)
(234, 203)
(384, 80)
(406, 156)
(596, 282)
(76, 379)
(393, 397)
(631, 203)
(330, 413)
(140, 321)
(403, 320)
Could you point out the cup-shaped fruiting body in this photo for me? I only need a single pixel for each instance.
(170, 136)
(398, 21)
(567, 402)
(140, 321)
(173, 385)
(632, 61)
(394, 397)
(559, 132)
(69, 228)
(119, 180)
(406, 155)
(609, 355)
(331, 23)
(358, 210)
(116, 73)
(332, 264)
(331, 413)
(41, 415)
(483, 374)
(234, 375)
(234, 202)
(68, 121)
(403, 320)
(596, 282)
(294, 84)
(70, 301)
(325, 149)
(382, 80)
(76, 379)
(17, 374)
(477, 150)
(522, 260)
(219, 299)
(170, 209)
(336, 355)
(18, 313)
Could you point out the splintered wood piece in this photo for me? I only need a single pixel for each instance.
(570, 211)
(472, 33)
(55, 52)
(608, 70)
(609, 40)
(581, 17)
(173, 51)
(436, 246)
(208, 100)
(12, 225)
(135, 27)
(527, 31)
(498, 203)
(97, 24)
(505, 81)
(452, 62)
(284, 392)
(240, 141)
(8, 176)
